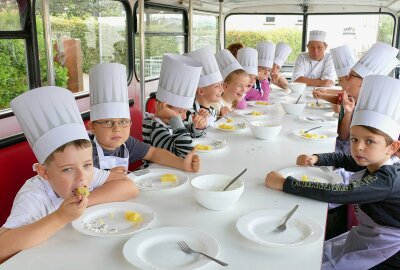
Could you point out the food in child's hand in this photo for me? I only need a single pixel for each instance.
(203, 147)
(84, 191)
(168, 177)
(133, 216)
(262, 102)
(225, 126)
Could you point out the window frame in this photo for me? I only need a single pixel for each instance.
(136, 30)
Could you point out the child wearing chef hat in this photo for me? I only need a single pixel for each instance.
(176, 92)
(374, 187)
(110, 124)
(209, 89)
(282, 52)
(59, 193)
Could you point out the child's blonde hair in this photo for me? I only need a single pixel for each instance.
(80, 144)
(234, 73)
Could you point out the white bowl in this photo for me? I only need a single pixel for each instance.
(208, 191)
(297, 87)
(290, 107)
(265, 130)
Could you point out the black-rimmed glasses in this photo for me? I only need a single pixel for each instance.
(111, 124)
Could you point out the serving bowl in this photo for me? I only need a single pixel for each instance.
(208, 191)
(291, 107)
(297, 87)
(265, 130)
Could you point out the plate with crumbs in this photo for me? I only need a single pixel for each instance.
(159, 179)
(114, 219)
(206, 145)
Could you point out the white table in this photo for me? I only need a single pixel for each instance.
(69, 249)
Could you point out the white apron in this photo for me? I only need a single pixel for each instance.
(362, 247)
(210, 119)
(109, 162)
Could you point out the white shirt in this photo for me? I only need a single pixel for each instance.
(36, 199)
(306, 67)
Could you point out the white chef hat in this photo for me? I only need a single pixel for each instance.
(343, 59)
(282, 52)
(210, 73)
(248, 59)
(380, 59)
(227, 63)
(317, 35)
(179, 77)
(108, 92)
(378, 105)
(266, 53)
(50, 118)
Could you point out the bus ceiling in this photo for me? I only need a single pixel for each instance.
(289, 6)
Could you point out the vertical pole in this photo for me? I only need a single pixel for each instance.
(221, 25)
(142, 56)
(47, 40)
(190, 30)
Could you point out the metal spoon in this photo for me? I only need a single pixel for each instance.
(234, 179)
(308, 130)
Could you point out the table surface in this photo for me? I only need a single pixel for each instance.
(69, 249)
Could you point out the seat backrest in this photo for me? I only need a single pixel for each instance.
(151, 103)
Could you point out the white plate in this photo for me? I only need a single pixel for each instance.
(314, 174)
(328, 133)
(321, 105)
(158, 249)
(152, 180)
(278, 95)
(113, 215)
(318, 119)
(238, 126)
(259, 227)
(248, 114)
(216, 144)
(260, 104)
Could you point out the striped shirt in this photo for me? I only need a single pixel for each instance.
(177, 137)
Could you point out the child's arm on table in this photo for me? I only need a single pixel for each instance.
(117, 187)
(15, 240)
(322, 94)
(191, 163)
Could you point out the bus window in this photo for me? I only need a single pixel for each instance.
(360, 31)
(205, 30)
(250, 29)
(13, 72)
(83, 34)
(164, 33)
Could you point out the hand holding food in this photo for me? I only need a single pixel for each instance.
(306, 160)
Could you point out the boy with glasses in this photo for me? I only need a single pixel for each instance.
(113, 147)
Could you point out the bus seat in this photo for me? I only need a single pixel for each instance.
(16, 162)
(151, 103)
(351, 217)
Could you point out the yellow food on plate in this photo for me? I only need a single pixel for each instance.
(304, 178)
(225, 126)
(255, 113)
(312, 135)
(262, 102)
(168, 177)
(84, 191)
(229, 120)
(315, 104)
(203, 147)
(133, 216)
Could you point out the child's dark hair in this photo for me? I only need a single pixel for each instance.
(80, 144)
(376, 131)
(229, 78)
(234, 47)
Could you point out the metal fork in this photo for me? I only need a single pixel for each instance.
(185, 248)
(282, 227)
(325, 169)
(308, 130)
